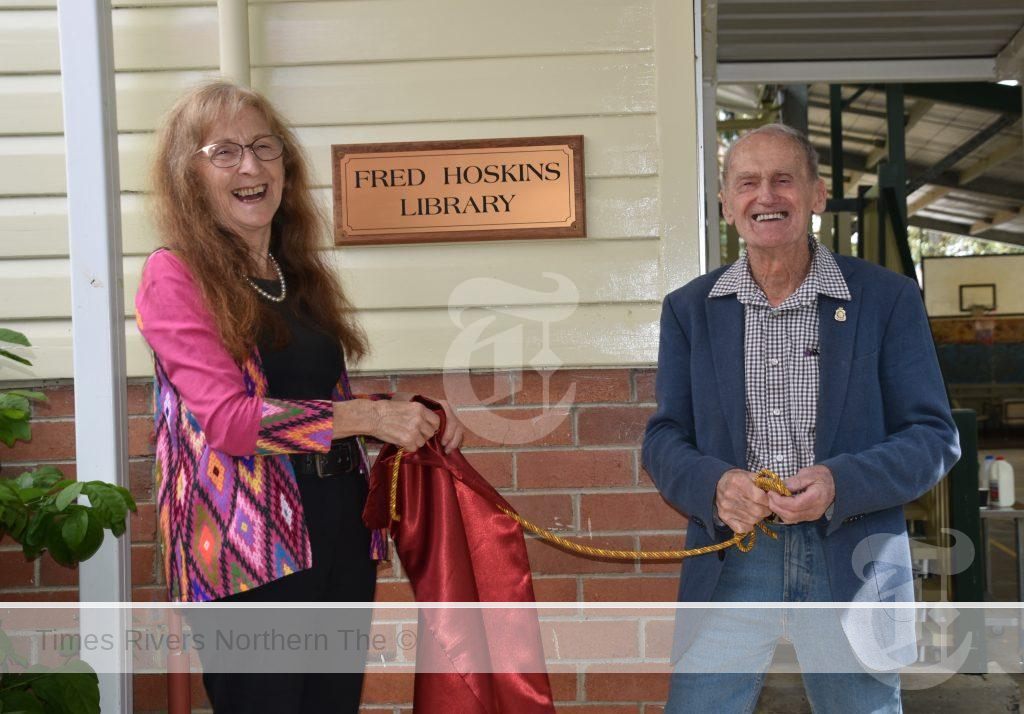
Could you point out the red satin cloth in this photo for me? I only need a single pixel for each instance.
(456, 546)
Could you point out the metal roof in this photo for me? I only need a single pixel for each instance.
(773, 30)
(980, 189)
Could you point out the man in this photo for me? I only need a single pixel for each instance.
(820, 368)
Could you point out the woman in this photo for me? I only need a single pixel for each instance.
(261, 467)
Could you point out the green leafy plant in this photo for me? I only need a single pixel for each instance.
(71, 688)
(16, 404)
(39, 511)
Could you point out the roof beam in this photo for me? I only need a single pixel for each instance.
(997, 220)
(1010, 61)
(961, 229)
(986, 96)
(916, 115)
(967, 69)
(1002, 151)
(954, 157)
(997, 188)
(927, 198)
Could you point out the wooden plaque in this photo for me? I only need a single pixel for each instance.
(440, 191)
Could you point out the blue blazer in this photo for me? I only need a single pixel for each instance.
(884, 426)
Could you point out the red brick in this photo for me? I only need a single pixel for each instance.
(395, 591)
(591, 640)
(632, 589)
(371, 385)
(517, 427)
(564, 682)
(388, 568)
(549, 559)
(613, 425)
(461, 388)
(554, 589)
(577, 386)
(60, 402)
(664, 542)
(149, 692)
(52, 573)
(574, 469)
(645, 380)
(143, 523)
(15, 571)
(51, 440)
(628, 683)
(140, 398)
(142, 480)
(658, 636)
(144, 565)
(654, 709)
(387, 687)
(140, 436)
(149, 593)
(553, 512)
(495, 466)
(628, 511)
(576, 708)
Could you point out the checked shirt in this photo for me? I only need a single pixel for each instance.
(781, 352)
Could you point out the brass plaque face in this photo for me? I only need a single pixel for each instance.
(440, 191)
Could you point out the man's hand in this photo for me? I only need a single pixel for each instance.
(813, 489)
(741, 504)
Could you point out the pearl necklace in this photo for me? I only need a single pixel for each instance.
(263, 293)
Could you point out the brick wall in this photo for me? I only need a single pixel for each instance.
(574, 469)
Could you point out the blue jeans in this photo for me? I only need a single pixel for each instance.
(724, 669)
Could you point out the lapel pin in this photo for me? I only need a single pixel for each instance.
(840, 314)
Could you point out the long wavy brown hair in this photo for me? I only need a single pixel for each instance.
(217, 257)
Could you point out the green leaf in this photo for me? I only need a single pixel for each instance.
(108, 504)
(24, 480)
(128, 498)
(91, 540)
(11, 431)
(28, 495)
(20, 702)
(47, 476)
(12, 356)
(14, 406)
(35, 534)
(15, 338)
(74, 528)
(68, 495)
(30, 395)
(56, 546)
(70, 690)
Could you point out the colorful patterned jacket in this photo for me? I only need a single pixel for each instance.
(230, 517)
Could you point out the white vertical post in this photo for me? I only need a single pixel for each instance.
(706, 42)
(97, 312)
(233, 22)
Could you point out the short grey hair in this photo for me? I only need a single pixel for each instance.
(797, 137)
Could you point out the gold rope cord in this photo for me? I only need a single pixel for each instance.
(766, 480)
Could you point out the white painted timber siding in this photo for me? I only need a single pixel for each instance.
(354, 71)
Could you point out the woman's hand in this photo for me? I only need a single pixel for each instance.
(402, 423)
(454, 432)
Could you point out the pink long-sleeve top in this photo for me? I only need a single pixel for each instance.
(230, 516)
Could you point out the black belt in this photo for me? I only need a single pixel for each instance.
(343, 458)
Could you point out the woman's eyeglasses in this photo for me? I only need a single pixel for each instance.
(226, 154)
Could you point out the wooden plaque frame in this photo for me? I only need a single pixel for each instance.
(445, 234)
